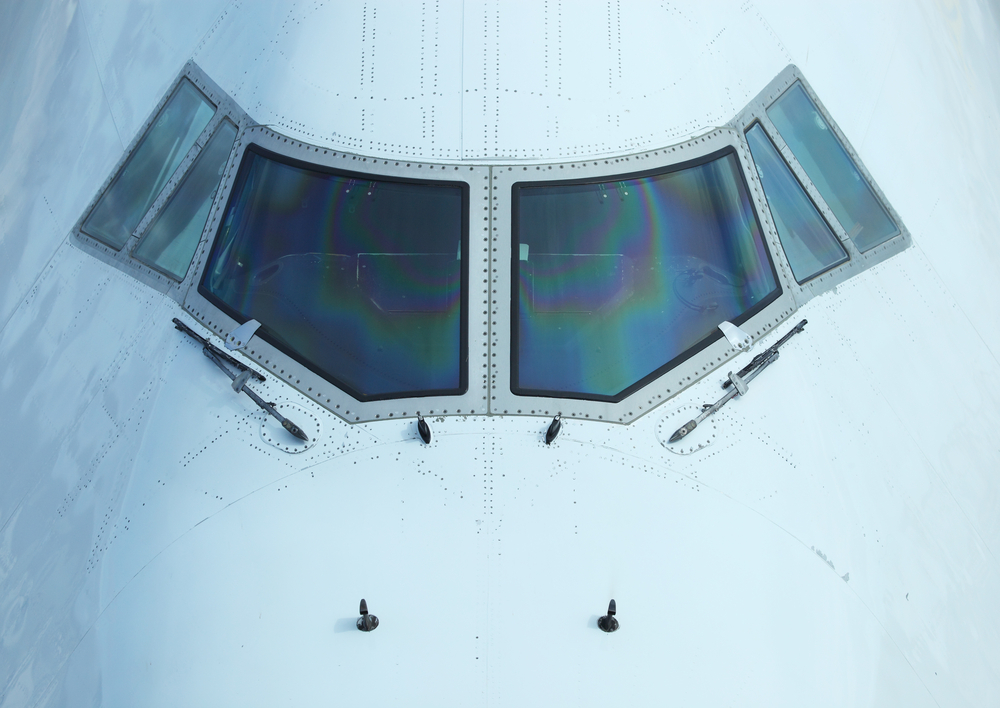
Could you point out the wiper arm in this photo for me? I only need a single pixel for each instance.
(757, 360)
(218, 352)
(221, 358)
(737, 383)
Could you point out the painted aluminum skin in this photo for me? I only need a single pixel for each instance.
(830, 540)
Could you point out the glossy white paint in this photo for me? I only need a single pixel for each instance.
(835, 545)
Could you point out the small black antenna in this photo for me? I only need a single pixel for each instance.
(423, 429)
(608, 623)
(366, 622)
(554, 427)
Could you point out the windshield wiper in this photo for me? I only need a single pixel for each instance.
(757, 360)
(738, 382)
(221, 358)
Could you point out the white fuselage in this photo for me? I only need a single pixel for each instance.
(832, 543)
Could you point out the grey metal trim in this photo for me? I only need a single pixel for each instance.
(240, 337)
(502, 400)
(226, 109)
(756, 110)
(282, 366)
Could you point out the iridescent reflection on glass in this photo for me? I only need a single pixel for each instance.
(621, 280)
(831, 169)
(359, 279)
(809, 243)
(171, 240)
(158, 154)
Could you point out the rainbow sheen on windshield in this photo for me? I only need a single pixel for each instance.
(619, 281)
(359, 278)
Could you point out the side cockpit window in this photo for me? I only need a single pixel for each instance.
(808, 241)
(831, 169)
(384, 287)
(151, 164)
(170, 242)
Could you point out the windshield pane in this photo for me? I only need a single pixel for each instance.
(153, 163)
(359, 279)
(171, 240)
(809, 243)
(616, 283)
(831, 169)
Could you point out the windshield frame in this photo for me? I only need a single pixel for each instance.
(489, 254)
(294, 368)
(673, 376)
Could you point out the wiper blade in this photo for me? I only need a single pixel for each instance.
(737, 383)
(221, 358)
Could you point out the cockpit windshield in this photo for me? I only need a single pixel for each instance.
(617, 282)
(357, 277)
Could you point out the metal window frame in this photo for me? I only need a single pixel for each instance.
(225, 109)
(858, 261)
(282, 365)
(661, 385)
